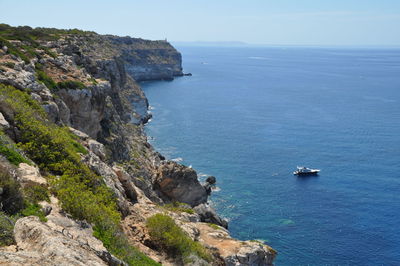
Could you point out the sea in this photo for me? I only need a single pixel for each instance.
(250, 115)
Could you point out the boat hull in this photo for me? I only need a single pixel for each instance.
(304, 174)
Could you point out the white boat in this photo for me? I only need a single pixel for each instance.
(301, 170)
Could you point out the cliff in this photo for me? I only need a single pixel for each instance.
(73, 153)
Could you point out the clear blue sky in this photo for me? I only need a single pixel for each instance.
(292, 22)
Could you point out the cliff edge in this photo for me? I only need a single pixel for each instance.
(79, 183)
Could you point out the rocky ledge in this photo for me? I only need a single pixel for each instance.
(87, 84)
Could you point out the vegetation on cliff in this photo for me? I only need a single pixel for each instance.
(177, 206)
(9, 150)
(17, 202)
(54, 86)
(29, 38)
(81, 192)
(165, 233)
(26, 33)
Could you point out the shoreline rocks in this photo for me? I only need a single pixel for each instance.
(209, 215)
(176, 182)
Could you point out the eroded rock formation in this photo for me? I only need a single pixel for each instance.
(176, 182)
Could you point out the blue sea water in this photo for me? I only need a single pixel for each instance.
(249, 116)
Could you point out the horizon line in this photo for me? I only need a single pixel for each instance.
(242, 43)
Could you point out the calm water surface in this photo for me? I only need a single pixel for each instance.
(249, 116)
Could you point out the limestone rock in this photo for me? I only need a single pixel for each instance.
(176, 182)
(29, 174)
(52, 111)
(45, 94)
(127, 183)
(42, 244)
(97, 148)
(109, 177)
(209, 215)
(196, 261)
(47, 210)
(21, 79)
(235, 252)
(59, 241)
(252, 254)
(38, 244)
(80, 134)
(86, 109)
(22, 258)
(64, 112)
(3, 122)
(162, 62)
(36, 97)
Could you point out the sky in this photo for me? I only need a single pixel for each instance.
(272, 22)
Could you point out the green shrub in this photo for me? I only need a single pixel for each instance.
(26, 33)
(165, 233)
(94, 81)
(214, 226)
(14, 202)
(11, 198)
(9, 64)
(178, 207)
(29, 37)
(12, 155)
(12, 49)
(36, 193)
(38, 66)
(48, 51)
(30, 51)
(52, 85)
(115, 242)
(46, 80)
(13, 205)
(9, 150)
(71, 84)
(35, 210)
(6, 229)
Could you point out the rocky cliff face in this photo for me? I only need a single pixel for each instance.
(88, 82)
(149, 60)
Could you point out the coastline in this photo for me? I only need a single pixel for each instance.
(85, 83)
(254, 164)
(249, 255)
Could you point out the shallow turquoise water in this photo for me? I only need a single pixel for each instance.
(249, 116)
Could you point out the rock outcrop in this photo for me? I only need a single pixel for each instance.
(58, 241)
(234, 252)
(176, 182)
(149, 60)
(208, 215)
(64, 243)
(29, 174)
